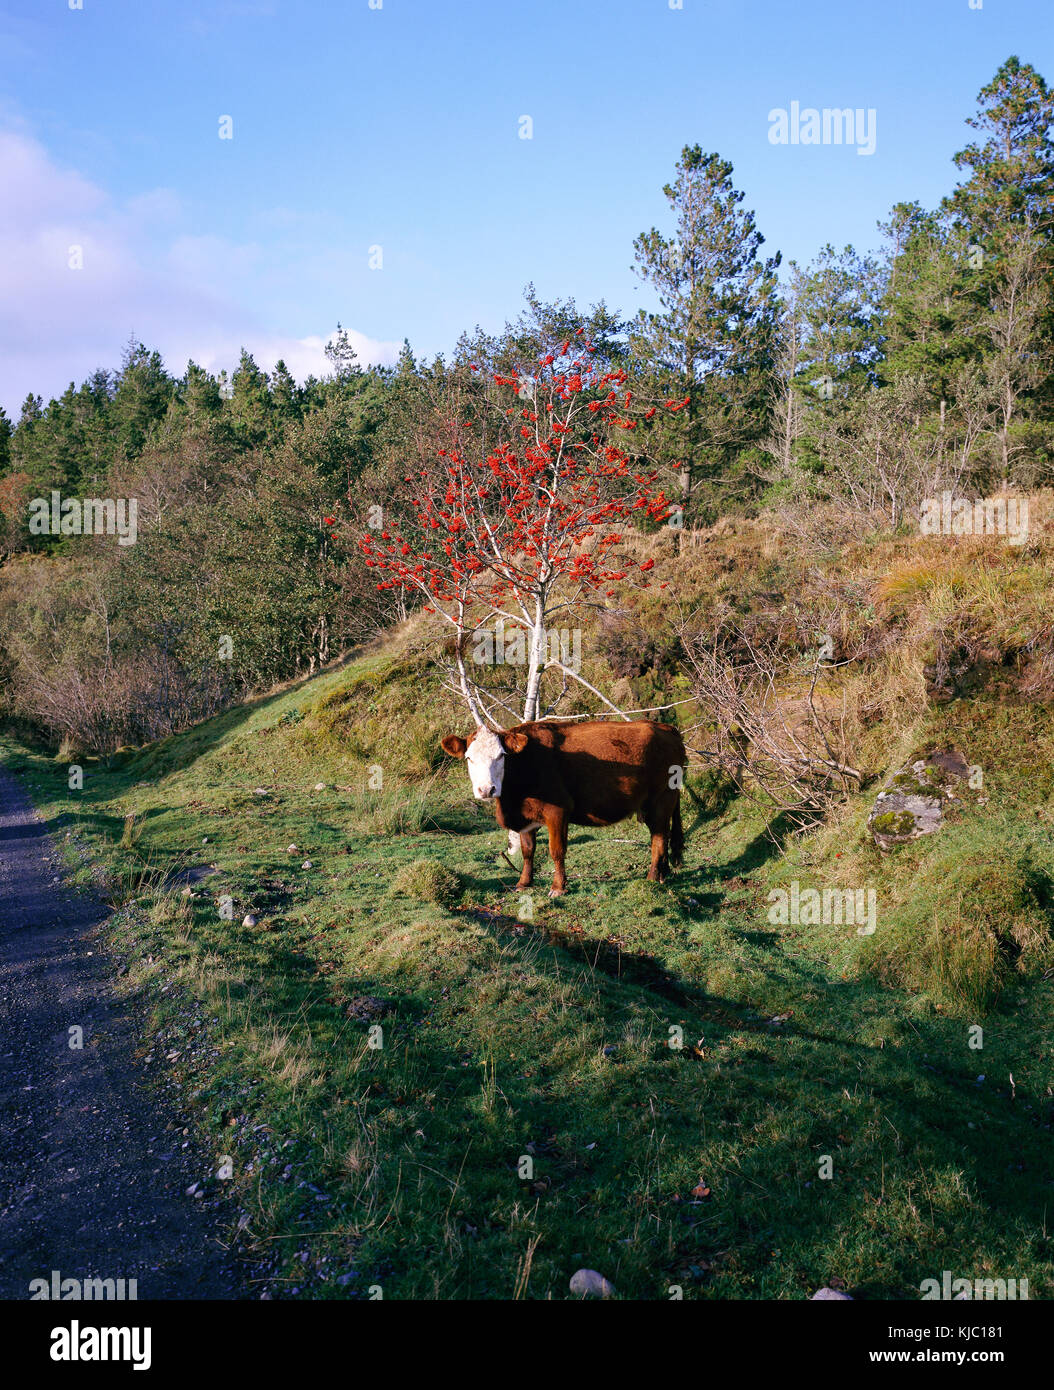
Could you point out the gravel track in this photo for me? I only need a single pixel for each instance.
(92, 1173)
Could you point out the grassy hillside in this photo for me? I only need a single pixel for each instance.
(515, 1028)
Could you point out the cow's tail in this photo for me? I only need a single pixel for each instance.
(676, 836)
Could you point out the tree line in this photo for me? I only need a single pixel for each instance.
(867, 380)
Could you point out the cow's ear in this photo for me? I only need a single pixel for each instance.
(514, 743)
(454, 745)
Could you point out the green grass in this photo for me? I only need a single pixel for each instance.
(513, 1027)
(428, 881)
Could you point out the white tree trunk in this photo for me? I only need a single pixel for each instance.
(536, 661)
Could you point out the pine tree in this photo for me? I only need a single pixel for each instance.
(249, 408)
(144, 390)
(342, 356)
(1011, 171)
(285, 394)
(1006, 207)
(6, 431)
(29, 453)
(840, 340)
(712, 340)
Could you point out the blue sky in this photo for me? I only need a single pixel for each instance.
(398, 127)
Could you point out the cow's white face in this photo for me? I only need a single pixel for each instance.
(485, 757)
(485, 754)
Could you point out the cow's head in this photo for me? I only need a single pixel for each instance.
(485, 752)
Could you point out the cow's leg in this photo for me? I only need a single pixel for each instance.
(527, 850)
(659, 825)
(556, 824)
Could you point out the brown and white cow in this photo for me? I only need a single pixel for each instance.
(564, 772)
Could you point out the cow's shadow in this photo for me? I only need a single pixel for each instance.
(907, 1084)
(603, 955)
(697, 879)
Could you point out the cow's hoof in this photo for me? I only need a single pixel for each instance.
(556, 892)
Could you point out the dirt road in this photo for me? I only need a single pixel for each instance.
(92, 1177)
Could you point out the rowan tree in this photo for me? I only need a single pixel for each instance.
(539, 474)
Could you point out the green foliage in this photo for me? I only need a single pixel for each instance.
(5, 441)
(711, 340)
(140, 400)
(429, 881)
(1011, 173)
(712, 790)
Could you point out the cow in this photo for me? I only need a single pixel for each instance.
(558, 773)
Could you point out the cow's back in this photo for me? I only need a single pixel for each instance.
(601, 771)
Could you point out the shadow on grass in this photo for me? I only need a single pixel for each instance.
(766, 845)
(914, 1113)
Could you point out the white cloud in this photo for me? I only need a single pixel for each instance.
(303, 356)
(142, 271)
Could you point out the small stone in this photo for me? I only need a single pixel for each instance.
(825, 1292)
(320, 786)
(307, 864)
(249, 920)
(366, 1007)
(291, 849)
(587, 1283)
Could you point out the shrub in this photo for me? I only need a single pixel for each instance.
(711, 791)
(429, 881)
(976, 912)
(631, 652)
